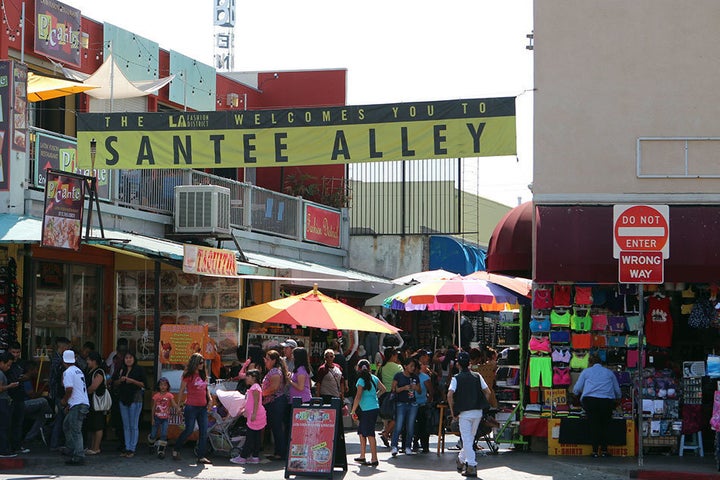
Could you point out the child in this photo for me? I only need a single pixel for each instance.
(6, 360)
(369, 387)
(162, 401)
(256, 420)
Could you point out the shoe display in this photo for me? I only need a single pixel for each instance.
(394, 451)
(238, 460)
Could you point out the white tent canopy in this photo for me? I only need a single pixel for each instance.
(113, 84)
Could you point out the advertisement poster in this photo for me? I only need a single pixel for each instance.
(322, 225)
(178, 342)
(312, 440)
(20, 107)
(63, 213)
(58, 152)
(5, 123)
(57, 31)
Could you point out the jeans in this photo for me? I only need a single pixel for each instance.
(469, 421)
(276, 418)
(130, 418)
(4, 426)
(194, 414)
(159, 429)
(36, 408)
(405, 414)
(72, 426)
(17, 421)
(57, 429)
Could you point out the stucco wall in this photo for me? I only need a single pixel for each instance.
(610, 71)
(389, 256)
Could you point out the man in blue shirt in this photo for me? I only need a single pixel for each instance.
(599, 391)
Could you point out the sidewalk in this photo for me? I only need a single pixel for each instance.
(507, 464)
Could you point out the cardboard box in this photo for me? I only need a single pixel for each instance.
(556, 448)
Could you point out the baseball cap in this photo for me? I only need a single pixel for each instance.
(289, 343)
(463, 359)
(69, 356)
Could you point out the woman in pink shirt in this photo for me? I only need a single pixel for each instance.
(196, 398)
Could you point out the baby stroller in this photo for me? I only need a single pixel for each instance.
(227, 435)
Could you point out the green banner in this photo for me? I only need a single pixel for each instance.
(300, 136)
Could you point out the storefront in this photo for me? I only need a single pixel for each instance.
(579, 308)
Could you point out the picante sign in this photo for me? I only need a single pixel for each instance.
(63, 214)
(297, 137)
(57, 31)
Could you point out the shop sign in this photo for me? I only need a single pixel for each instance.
(641, 228)
(322, 225)
(641, 267)
(63, 213)
(478, 127)
(178, 342)
(57, 31)
(215, 262)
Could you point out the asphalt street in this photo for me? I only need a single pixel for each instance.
(508, 464)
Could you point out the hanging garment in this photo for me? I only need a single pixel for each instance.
(659, 322)
(562, 295)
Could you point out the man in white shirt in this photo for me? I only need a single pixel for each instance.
(76, 405)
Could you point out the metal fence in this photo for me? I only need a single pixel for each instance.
(251, 207)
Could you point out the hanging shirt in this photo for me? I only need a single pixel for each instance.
(659, 322)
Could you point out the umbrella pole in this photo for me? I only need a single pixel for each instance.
(458, 325)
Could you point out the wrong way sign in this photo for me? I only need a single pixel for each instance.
(641, 267)
(641, 228)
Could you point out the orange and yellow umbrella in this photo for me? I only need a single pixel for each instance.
(313, 309)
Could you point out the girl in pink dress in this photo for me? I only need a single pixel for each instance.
(256, 420)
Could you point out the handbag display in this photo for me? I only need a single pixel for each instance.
(102, 403)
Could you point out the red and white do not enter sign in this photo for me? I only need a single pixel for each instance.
(641, 228)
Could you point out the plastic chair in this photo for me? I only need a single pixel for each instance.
(696, 444)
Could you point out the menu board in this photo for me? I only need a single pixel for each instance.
(312, 441)
(185, 299)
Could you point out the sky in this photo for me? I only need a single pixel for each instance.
(393, 50)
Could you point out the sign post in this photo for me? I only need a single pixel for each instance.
(641, 243)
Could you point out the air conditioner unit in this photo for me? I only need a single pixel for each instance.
(202, 209)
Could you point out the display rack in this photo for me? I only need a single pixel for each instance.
(508, 335)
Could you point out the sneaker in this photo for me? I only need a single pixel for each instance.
(8, 455)
(470, 471)
(253, 460)
(408, 451)
(238, 460)
(23, 450)
(394, 451)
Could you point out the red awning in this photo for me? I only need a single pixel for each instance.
(510, 247)
(575, 243)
